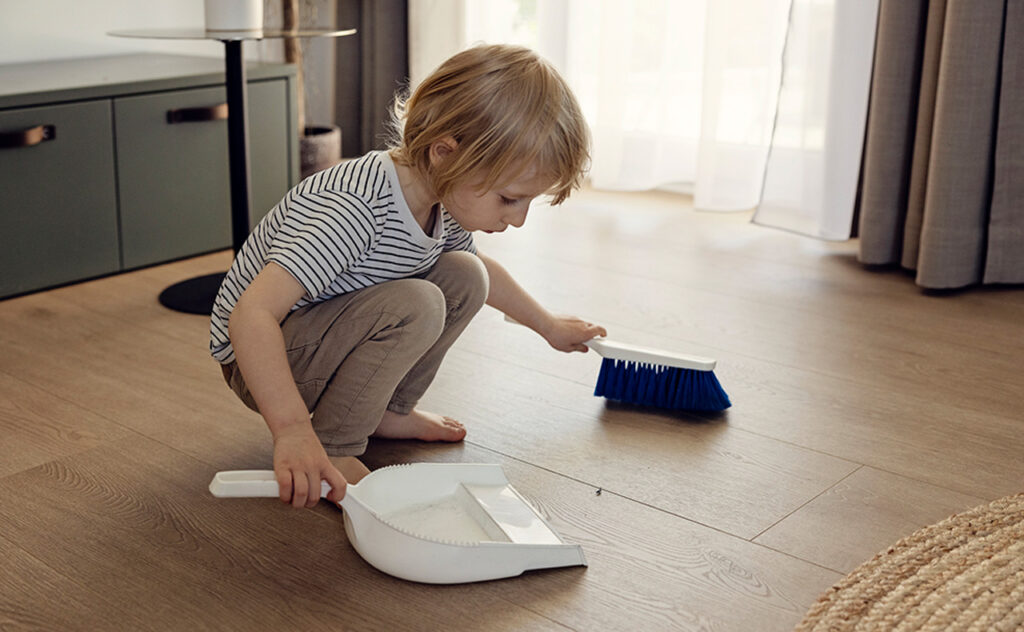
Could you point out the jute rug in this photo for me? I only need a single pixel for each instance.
(964, 573)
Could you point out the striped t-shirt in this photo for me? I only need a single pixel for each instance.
(340, 230)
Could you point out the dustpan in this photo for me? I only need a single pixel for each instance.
(437, 523)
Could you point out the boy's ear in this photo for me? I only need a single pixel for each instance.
(441, 149)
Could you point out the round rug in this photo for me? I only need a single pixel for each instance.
(964, 573)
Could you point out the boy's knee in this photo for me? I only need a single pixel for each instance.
(422, 308)
(464, 280)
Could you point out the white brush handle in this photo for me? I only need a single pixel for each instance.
(633, 353)
(251, 484)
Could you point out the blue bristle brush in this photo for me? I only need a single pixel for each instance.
(650, 377)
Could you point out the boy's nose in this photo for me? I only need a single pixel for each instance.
(517, 219)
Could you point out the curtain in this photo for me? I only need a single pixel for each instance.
(371, 67)
(943, 175)
(639, 71)
(811, 176)
(739, 90)
(636, 69)
(682, 94)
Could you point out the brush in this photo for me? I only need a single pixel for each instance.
(652, 377)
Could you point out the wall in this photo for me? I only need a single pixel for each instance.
(38, 30)
(35, 30)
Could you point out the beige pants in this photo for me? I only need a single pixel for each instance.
(377, 348)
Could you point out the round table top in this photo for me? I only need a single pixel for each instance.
(204, 34)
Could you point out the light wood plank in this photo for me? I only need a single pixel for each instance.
(132, 297)
(912, 432)
(879, 349)
(115, 417)
(648, 570)
(861, 516)
(38, 426)
(34, 596)
(135, 520)
(129, 375)
(706, 471)
(808, 345)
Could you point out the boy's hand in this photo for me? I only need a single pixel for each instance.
(300, 463)
(568, 333)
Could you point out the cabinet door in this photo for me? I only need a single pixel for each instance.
(173, 177)
(269, 145)
(58, 205)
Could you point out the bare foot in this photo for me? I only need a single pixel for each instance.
(420, 425)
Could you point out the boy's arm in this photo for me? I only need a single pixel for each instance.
(300, 461)
(565, 333)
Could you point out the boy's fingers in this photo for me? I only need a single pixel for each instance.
(300, 490)
(284, 486)
(314, 490)
(337, 483)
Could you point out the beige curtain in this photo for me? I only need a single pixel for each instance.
(943, 173)
(371, 68)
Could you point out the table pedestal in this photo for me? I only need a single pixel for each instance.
(196, 296)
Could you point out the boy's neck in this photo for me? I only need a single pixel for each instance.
(417, 195)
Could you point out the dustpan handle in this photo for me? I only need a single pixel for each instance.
(251, 484)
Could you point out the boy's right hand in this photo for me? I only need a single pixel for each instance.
(300, 463)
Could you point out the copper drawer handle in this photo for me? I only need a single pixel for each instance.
(195, 115)
(27, 137)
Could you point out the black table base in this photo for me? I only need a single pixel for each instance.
(193, 296)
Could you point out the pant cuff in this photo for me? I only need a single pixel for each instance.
(400, 407)
(345, 449)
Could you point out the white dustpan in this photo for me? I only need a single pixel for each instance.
(438, 523)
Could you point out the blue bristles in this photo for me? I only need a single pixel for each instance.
(660, 386)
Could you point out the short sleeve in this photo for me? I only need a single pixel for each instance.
(322, 236)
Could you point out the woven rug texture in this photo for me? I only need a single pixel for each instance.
(964, 573)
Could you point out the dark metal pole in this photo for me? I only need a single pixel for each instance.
(196, 296)
(238, 142)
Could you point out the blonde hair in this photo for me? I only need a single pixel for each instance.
(507, 109)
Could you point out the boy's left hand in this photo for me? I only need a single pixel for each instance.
(568, 333)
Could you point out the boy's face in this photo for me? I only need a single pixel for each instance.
(495, 210)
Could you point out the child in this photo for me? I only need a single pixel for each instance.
(345, 298)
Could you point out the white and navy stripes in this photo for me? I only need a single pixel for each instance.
(340, 230)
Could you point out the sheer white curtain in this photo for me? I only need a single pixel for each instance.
(810, 183)
(683, 94)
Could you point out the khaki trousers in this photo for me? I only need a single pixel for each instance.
(375, 349)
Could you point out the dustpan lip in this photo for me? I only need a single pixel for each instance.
(453, 542)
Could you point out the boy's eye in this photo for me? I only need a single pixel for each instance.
(508, 201)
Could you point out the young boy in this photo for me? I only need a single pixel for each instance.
(345, 298)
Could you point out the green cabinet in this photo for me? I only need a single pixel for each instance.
(122, 184)
(58, 218)
(172, 175)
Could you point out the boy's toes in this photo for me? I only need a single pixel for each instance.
(453, 430)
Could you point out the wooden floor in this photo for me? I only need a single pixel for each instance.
(863, 410)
